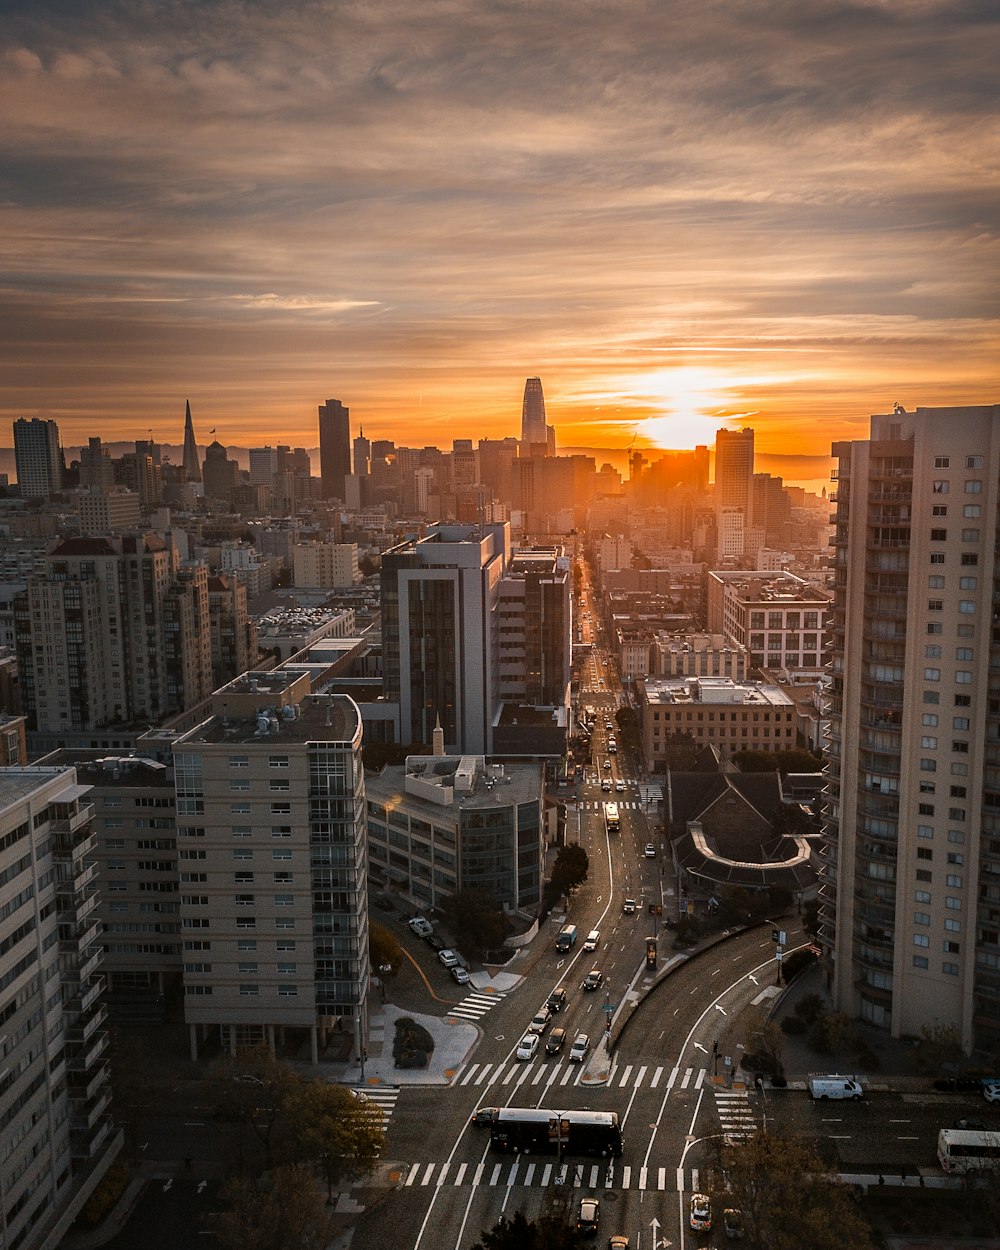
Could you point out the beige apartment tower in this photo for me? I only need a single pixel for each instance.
(911, 893)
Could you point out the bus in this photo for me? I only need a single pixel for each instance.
(536, 1130)
(611, 817)
(967, 1150)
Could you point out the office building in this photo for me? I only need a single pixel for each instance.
(734, 481)
(97, 471)
(37, 457)
(445, 823)
(537, 438)
(534, 654)
(192, 467)
(330, 565)
(334, 448)
(911, 915)
(113, 510)
(220, 474)
(58, 1136)
(779, 618)
(438, 599)
(271, 835)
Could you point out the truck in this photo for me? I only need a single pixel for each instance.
(566, 937)
(822, 1087)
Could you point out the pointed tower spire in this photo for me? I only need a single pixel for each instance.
(437, 741)
(192, 469)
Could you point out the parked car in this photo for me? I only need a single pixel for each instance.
(421, 927)
(556, 1001)
(555, 1041)
(732, 1222)
(540, 1021)
(434, 943)
(970, 1122)
(991, 1091)
(578, 1051)
(449, 958)
(701, 1213)
(527, 1047)
(459, 975)
(593, 940)
(593, 980)
(589, 1217)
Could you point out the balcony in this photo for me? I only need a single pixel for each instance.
(67, 829)
(86, 1056)
(83, 1090)
(87, 1144)
(74, 939)
(81, 1030)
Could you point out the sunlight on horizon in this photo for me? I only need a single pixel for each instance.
(690, 399)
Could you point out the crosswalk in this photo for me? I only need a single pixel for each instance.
(561, 1072)
(383, 1096)
(735, 1114)
(474, 1006)
(538, 1175)
(628, 805)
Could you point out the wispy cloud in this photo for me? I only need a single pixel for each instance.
(263, 205)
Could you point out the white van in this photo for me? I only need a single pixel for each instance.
(822, 1087)
(593, 940)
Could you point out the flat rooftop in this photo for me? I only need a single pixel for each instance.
(326, 718)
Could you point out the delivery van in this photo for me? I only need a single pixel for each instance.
(835, 1087)
(566, 937)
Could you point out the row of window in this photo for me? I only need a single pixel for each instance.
(971, 462)
(246, 991)
(273, 761)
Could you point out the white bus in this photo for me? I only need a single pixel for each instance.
(611, 817)
(968, 1150)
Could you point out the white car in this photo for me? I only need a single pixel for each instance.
(991, 1091)
(421, 927)
(527, 1047)
(650, 851)
(449, 958)
(701, 1213)
(459, 975)
(578, 1051)
(620, 786)
(593, 940)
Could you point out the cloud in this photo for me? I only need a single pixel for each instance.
(445, 196)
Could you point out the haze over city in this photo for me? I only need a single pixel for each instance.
(680, 216)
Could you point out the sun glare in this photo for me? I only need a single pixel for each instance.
(693, 403)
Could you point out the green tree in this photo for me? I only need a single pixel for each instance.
(477, 920)
(832, 1031)
(787, 1198)
(334, 1131)
(570, 868)
(283, 1211)
(940, 1046)
(518, 1233)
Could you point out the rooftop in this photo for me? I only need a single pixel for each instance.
(663, 691)
(326, 718)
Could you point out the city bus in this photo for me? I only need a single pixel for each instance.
(536, 1130)
(611, 817)
(967, 1150)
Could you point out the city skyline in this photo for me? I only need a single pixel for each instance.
(711, 216)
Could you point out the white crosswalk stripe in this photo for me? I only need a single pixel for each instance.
(736, 1115)
(474, 1006)
(537, 1072)
(533, 1174)
(383, 1096)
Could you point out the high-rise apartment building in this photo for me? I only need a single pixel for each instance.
(271, 837)
(438, 600)
(911, 895)
(534, 661)
(234, 634)
(37, 457)
(334, 447)
(58, 1134)
(112, 632)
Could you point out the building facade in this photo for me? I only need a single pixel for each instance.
(334, 447)
(911, 893)
(779, 618)
(37, 457)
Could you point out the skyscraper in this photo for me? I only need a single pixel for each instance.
(334, 447)
(37, 457)
(192, 469)
(734, 488)
(911, 894)
(537, 438)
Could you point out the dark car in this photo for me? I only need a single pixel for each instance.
(484, 1115)
(970, 1122)
(961, 1083)
(556, 1001)
(589, 1218)
(555, 1041)
(593, 980)
(435, 943)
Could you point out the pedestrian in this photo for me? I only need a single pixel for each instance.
(187, 1163)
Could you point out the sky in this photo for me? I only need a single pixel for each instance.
(679, 215)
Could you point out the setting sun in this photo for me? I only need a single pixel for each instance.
(693, 403)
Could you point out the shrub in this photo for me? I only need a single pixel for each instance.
(796, 962)
(810, 1008)
(412, 1045)
(102, 1201)
(793, 1026)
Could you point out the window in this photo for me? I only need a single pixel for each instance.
(239, 783)
(248, 969)
(928, 787)
(953, 903)
(243, 852)
(287, 970)
(921, 917)
(939, 536)
(957, 792)
(963, 653)
(246, 944)
(925, 831)
(243, 878)
(244, 900)
(937, 557)
(928, 743)
(950, 970)
(924, 852)
(953, 881)
(973, 486)
(281, 831)
(923, 874)
(239, 761)
(970, 536)
(276, 787)
(935, 582)
(956, 835)
(930, 719)
(940, 486)
(925, 809)
(920, 961)
(287, 991)
(249, 991)
(281, 809)
(246, 922)
(960, 722)
(971, 511)
(922, 896)
(939, 509)
(935, 605)
(963, 677)
(935, 627)
(285, 944)
(281, 853)
(953, 926)
(973, 462)
(928, 765)
(921, 939)
(968, 583)
(239, 809)
(277, 761)
(932, 674)
(963, 700)
(970, 559)
(241, 831)
(960, 747)
(284, 900)
(942, 462)
(956, 813)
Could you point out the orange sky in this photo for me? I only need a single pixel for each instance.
(675, 214)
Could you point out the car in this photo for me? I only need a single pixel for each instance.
(618, 1242)
(991, 1091)
(421, 927)
(962, 1083)
(593, 940)
(527, 1047)
(607, 766)
(434, 943)
(607, 724)
(459, 975)
(620, 786)
(606, 785)
(593, 980)
(555, 1041)
(650, 851)
(589, 1217)
(540, 1021)
(628, 907)
(732, 1222)
(483, 1115)
(556, 1001)
(449, 958)
(578, 1051)
(700, 1213)
(969, 1122)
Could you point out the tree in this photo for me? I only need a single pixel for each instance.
(940, 1048)
(252, 1090)
(333, 1130)
(570, 868)
(476, 919)
(787, 1198)
(283, 1212)
(383, 949)
(518, 1233)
